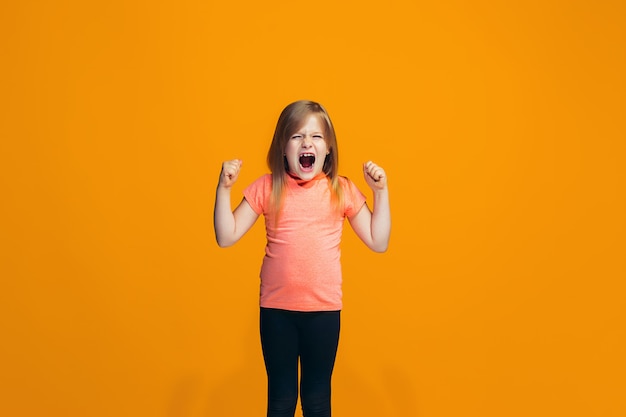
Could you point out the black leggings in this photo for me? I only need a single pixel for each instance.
(310, 336)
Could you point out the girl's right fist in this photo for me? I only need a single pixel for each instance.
(230, 172)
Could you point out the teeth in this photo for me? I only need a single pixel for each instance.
(307, 159)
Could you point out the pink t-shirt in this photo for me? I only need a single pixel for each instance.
(301, 269)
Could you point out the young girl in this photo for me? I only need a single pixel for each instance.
(304, 202)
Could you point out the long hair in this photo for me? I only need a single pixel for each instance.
(290, 120)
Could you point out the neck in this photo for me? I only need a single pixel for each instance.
(300, 181)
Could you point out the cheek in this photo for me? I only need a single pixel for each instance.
(289, 150)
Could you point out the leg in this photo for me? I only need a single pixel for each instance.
(279, 340)
(319, 338)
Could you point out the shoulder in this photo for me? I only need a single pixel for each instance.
(260, 186)
(353, 198)
(257, 193)
(346, 183)
(262, 182)
(265, 178)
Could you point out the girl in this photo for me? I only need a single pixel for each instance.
(304, 202)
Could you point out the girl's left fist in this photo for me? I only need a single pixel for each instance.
(374, 175)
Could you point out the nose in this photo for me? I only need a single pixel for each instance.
(307, 142)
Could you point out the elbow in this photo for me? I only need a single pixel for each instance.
(224, 238)
(224, 243)
(380, 247)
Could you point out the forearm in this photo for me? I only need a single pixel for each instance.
(381, 221)
(223, 218)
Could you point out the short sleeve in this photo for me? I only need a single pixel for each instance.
(257, 193)
(353, 197)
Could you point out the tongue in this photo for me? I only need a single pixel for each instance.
(307, 161)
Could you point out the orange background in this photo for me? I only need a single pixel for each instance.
(501, 127)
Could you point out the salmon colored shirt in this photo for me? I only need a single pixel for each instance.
(301, 269)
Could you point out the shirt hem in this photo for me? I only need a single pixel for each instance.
(309, 308)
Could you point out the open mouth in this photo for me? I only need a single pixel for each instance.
(307, 160)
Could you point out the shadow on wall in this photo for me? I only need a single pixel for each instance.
(243, 391)
(389, 393)
(357, 388)
(353, 395)
(239, 392)
(187, 396)
(400, 391)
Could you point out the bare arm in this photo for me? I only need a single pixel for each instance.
(374, 227)
(230, 225)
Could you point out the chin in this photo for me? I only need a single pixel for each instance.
(308, 175)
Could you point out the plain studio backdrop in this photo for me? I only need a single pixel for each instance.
(501, 125)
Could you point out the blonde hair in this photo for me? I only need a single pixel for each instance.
(290, 120)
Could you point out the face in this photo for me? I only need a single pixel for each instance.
(306, 149)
